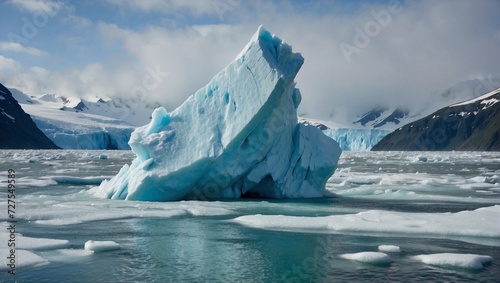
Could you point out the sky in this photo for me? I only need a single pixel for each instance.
(358, 54)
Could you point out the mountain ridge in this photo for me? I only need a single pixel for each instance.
(18, 131)
(470, 125)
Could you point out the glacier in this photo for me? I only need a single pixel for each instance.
(78, 123)
(238, 136)
(348, 138)
(69, 135)
(352, 139)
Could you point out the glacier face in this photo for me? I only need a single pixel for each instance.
(77, 123)
(236, 137)
(73, 136)
(352, 139)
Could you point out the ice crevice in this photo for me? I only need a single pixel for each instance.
(237, 136)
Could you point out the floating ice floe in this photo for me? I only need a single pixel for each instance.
(389, 248)
(29, 243)
(481, 223)
(70, 213)
(376, 258)
(101, 246)
(453, 260)
(237, 136)
(23, 259)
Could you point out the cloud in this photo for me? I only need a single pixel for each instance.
(191, 56)
(78, 22)
(170, 7)
(38, 6)
(8, 65)
(425, 46)
(16, 47)
(403, 60)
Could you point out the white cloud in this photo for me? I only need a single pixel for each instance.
(192, 7)
(191, 56)
(38, 6)
(8, 64)
(17, 47)
(426, 47)
(78, 22)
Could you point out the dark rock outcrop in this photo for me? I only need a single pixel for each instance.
(17, 129)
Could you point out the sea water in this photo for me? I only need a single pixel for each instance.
(425, 203)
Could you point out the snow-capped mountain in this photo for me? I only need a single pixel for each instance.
(363, 132)
(385, 117)
(17, 129)
(470, 125)
(76, 123)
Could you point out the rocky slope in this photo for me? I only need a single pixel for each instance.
(17, 129)
(469, 125)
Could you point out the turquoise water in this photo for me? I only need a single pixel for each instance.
(200, 241)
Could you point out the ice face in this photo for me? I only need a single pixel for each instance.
(237, 136)
(351, 139)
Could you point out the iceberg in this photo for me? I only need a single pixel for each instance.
(238, 136)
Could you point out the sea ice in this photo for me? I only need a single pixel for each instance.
(236, 137)
(389, 248)
(369, 257)
(29, 243)
(101, 246)
(24, 259)
(70, 213)
(74, 252)
(467, 261)
(481, 223)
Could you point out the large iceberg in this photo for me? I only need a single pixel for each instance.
(236, 137)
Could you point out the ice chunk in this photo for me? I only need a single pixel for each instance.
(101, 246)
(467, 261)
(377, 258)
(236, 137)
(389, 248)
(23, 259)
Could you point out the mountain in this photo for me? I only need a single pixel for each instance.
(18, 131)
(470, 125)
(92, 123)
(385, 117)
